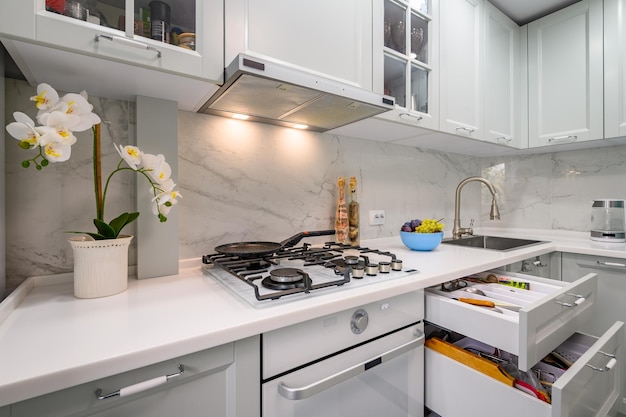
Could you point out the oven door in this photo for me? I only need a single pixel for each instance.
(384, 377)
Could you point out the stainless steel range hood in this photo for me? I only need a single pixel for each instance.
(274, 92)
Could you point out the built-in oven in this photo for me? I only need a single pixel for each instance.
(362, 362)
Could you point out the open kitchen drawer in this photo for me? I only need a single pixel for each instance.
(454, 389)
(551, 312)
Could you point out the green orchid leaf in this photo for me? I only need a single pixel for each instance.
(105, 230)
(96, 236)
(122, 220)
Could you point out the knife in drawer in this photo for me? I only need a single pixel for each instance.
(488, 303)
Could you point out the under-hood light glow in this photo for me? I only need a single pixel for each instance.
(300, 126)
(241, 116)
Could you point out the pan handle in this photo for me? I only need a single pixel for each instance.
(297, 238)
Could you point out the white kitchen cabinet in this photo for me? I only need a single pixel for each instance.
(611, 295)
(222, 381)
(504, 69)
(405, 58)
(454, 389)
(326, 36)
(614, 68)
(51, 47)
(565, 80)
(461, 87)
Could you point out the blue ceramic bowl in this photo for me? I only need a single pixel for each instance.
(421, 241)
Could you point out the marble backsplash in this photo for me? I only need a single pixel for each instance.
(247, 181)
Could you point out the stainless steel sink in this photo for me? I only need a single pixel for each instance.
(492, 242)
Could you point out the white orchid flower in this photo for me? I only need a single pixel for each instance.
(57, 152)
(155, 166)
(24, 130)
(166, 195)
(131, 154)
(78, 106)
(46, 98)
(58, 129)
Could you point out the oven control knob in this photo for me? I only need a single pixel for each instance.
(359, 321)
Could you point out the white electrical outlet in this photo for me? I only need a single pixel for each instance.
(377, 217)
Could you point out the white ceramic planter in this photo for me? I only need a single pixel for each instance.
(100, 266)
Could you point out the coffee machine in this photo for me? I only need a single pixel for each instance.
(607, 220)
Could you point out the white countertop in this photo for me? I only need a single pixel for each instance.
(51, 340)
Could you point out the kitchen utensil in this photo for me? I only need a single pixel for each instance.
(476, 291)
(607, 220)
(258, 249)
(489, 303)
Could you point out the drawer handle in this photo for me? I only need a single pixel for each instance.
(504, 139)
(332, 380)
(611, 264)
(129, 42)
(579, 300)
(563, 139)
(140, 386)
(610, 364)
(467, 129)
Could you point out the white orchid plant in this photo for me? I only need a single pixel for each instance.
(59, 117)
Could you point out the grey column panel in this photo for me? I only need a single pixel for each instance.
(2, 188)
(157, 243)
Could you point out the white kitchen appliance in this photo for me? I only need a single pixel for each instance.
(607, 220)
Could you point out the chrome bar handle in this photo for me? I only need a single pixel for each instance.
(140, 386)
(579, 300)
(617, 264)
(504, 139)
(467, 129)
(316, 387)
(563, 139)
(410, 118)
(609, 365)
(129, 42)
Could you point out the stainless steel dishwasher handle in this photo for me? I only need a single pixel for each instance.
(129, 42)
(140, 386)
(316, 387)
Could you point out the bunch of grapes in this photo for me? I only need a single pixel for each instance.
(422, 226)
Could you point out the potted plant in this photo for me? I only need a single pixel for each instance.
(101, 256)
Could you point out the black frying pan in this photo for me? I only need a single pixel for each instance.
(257, 249)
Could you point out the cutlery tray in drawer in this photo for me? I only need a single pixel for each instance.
(551, 311)
(590, 387)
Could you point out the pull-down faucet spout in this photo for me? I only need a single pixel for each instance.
(494, 214)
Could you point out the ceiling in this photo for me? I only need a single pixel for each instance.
(524, 11)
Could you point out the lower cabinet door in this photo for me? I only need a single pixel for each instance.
(589, 388)
(212, 383)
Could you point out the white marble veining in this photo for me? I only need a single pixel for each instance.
(249, 181)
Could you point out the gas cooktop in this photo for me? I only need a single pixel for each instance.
(294, 273)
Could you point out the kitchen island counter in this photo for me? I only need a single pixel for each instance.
(51, 340)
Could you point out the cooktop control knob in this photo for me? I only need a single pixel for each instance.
(359, 321)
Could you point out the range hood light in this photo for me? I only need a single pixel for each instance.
(240, 116)
(278, 93)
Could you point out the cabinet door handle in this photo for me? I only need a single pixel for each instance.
(316, 387)
(467, 129)
(563, 139)
(504, 139)
(140, 386)
(609, 365)
(129, 42)
(410, 118)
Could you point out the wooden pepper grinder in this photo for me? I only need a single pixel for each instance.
(341, 215)
(354, 235)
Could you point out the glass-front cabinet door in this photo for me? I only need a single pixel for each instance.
(170, 35)
(408, 57)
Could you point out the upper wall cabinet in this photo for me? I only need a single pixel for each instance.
(505, 93)
(565, 75)
(87, 38)
(614, 68)
(406, 59)
(326, 36)
(461, 53)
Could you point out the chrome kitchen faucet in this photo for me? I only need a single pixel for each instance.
(494, 214)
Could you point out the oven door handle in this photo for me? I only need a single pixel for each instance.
(316, 387)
